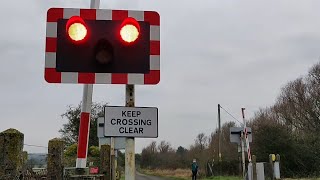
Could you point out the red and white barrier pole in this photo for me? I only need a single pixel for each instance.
(245, 130)
(84, 127)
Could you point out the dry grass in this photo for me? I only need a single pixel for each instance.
(177, 173)
(183, 174)
(302, 178)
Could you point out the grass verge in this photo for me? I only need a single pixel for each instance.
(223, 178)
(182, 174)
(178, 174)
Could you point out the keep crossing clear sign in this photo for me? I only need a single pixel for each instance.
(131, 121)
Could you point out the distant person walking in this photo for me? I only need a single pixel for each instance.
(194, 169)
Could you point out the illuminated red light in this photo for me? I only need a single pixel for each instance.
(76, 29)
(130, 30)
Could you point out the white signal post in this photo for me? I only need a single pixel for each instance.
(130, 167)
(84, 128)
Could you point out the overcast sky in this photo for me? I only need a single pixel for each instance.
(232, 52)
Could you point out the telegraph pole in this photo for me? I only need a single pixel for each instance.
(243, 156)
(219, 133)
(242, 146)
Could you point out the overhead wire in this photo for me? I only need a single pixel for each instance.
(31, 145)
(231, 115)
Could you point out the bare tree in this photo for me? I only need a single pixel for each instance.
(201, 141)
(295, 107)
(228, 149)
(148, 155)
(152, 148)
(164, 147)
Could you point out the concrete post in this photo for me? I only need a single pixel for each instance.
(105, 161)
(278, 157)
(277, 167)
(254, 167)
(118, 174)
(55, 159)
(113, 164)
(271, 165)
(11, 145)
(130, 168)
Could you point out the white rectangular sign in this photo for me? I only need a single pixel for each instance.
(235, 133)
(119, 142)
(131, 121)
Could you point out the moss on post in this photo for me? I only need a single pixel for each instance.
(55, 159)
(24, 157)
(11, 145)
(105, 161)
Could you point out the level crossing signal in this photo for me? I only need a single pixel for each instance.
(89, 46)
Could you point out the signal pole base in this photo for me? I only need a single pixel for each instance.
(81, 162)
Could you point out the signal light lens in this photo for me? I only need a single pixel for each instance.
(129, 33)
(103, 52)
(130, 30)
(76, 29)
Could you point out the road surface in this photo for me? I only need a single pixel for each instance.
(140, 176)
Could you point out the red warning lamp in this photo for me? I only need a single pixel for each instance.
(76, 29)
(130, 30)
(102, 46)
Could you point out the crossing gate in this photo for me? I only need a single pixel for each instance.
(247, 142)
